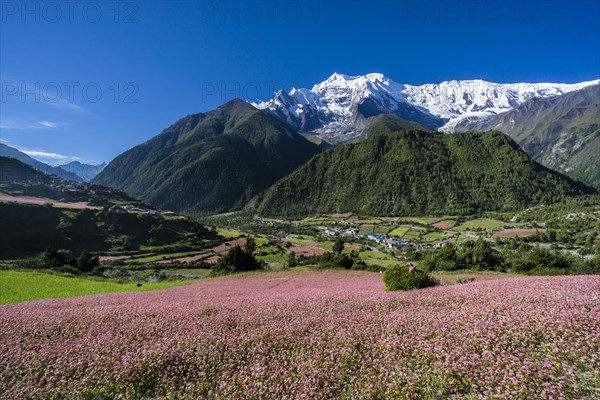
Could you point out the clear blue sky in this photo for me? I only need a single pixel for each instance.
(155, 62)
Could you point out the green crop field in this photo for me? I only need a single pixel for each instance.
(434, 235)
(400, 231)
(413, 234)
(446, 221)
(369, 221)
(378, 258)
(422, 220)
(17, 286)
(228, 233)
(299, 241)
(261, 241)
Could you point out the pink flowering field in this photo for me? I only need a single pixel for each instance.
(313, 335)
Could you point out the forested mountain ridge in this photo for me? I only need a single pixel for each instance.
(210, 162)
(418, 173)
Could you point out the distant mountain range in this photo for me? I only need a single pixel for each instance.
(86, 171)
(234, 155)
(417, 173)
(338, 109)
(7, 151)
(210, 162)
(561, 132)
(556, 124)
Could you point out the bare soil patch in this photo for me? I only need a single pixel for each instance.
(80, 205)
(510, 233)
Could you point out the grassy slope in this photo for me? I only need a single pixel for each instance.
(17, 286)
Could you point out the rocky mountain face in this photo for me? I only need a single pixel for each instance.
(339, 108)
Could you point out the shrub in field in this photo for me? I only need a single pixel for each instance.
(401, 277)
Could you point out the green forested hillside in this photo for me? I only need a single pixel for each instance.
(82, 216)
(29, 229)
(13, 170)
(418, 173)
(561, 132)
(210, 163)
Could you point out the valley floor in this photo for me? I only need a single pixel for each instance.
(310, 335)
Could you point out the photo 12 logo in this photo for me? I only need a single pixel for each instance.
(250, 91)
(53, 12)
(526, 12)
(326, 12)
(69, 92)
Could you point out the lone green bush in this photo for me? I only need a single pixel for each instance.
(398, 277)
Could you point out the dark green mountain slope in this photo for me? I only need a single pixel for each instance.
(28, 229)
(417, 173)
(210, 162)
(561, 132)
(13, 170)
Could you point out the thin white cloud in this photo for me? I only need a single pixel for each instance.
(26, 125)
(49, 124)
(48, 156)
(44, 154)
(13, 125)
(68, 105)
(38, 94)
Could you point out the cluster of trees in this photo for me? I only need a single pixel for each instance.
(335, 259)
(586, 241)
(482, 256)
(479, 256)
(238, 259)
(64, 260)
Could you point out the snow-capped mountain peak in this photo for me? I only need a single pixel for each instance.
(338, 108)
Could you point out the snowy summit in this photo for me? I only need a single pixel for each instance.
(338, 108)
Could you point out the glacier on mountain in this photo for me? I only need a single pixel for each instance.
(338, 108)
